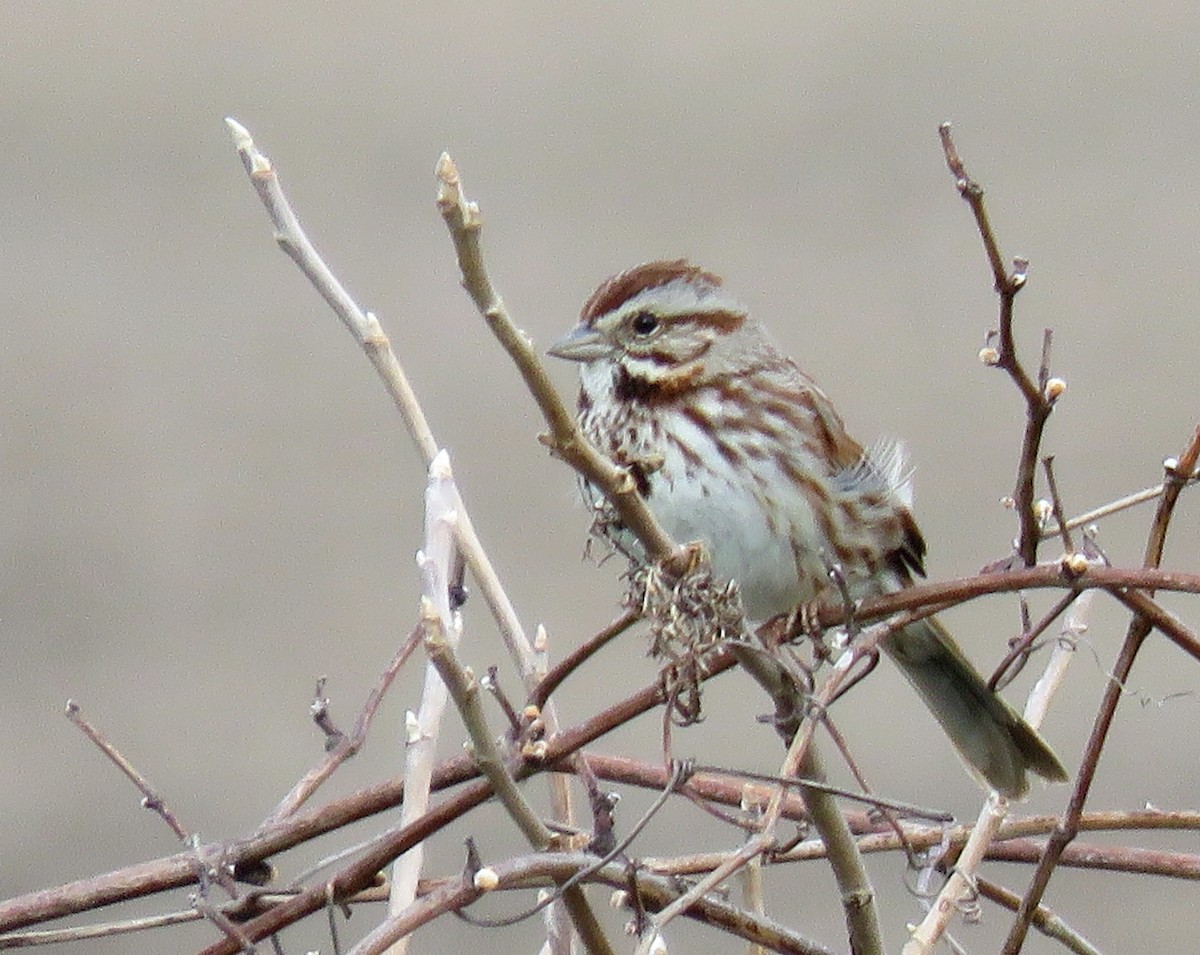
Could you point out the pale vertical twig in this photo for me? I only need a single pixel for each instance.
(421, 743)
(960, 886)
(369, 334)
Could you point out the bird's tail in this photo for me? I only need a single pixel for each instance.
(989, 735)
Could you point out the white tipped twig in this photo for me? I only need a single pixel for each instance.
(441, 516)
(368, 332)
(1107, 510)
(565, 438)
(961, 884)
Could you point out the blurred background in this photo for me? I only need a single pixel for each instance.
(207, 500)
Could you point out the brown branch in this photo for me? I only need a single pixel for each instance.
(566, 439)
(347, 746)
(150, 798)
(1014, 661)
(1177, 474)
(1039, 400)
(546, 869)
(580, 655)
(1044, 576)
(1129, 859)
(1044, 920)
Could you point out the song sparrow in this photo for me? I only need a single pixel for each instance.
(732, 444)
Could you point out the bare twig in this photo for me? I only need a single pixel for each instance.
(347, 746)
(577, 657)
(1107, 510)
(565, 438)
(150, 798)
(1177, 474)
(542, 869)
(908, 809)
(367, 331)
(1057, 504)
(230, 928)
(1039, 400)
(1014, 661)
(953, 592)
(1045, 921)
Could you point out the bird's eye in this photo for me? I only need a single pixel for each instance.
(643, 323)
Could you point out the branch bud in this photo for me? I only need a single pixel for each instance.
(1074, 564)
(989, 356)
(486, 879)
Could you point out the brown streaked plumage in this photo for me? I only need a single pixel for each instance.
(731, 443)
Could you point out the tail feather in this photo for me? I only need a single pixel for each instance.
(989, 735)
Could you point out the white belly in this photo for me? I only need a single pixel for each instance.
(748, 525)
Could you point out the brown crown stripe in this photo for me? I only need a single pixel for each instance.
(621, 287)
(723, 320)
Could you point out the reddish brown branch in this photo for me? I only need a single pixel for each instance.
(1079, 855)
(347, 746)
(179, 870)
(150, 798)
(1038, 402)
(1177, 475)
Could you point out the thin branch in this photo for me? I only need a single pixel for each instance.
(1050, 924)
(542, 869)
(1133, 860)
(678, 773)
(1177, 474)
(565, 439)
(367, 331)
(347, 746)
(1107, 510)
(1039, 399)
(580, 655)
(1006, 670)
(228, 927)
(150, 798)
(1057, 504)
(1056, 575)
(911, 810)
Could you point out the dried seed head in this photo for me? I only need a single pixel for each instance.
(989, 356)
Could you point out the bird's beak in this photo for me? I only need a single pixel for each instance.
(581, 344)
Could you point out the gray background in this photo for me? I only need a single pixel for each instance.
(206, 497)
